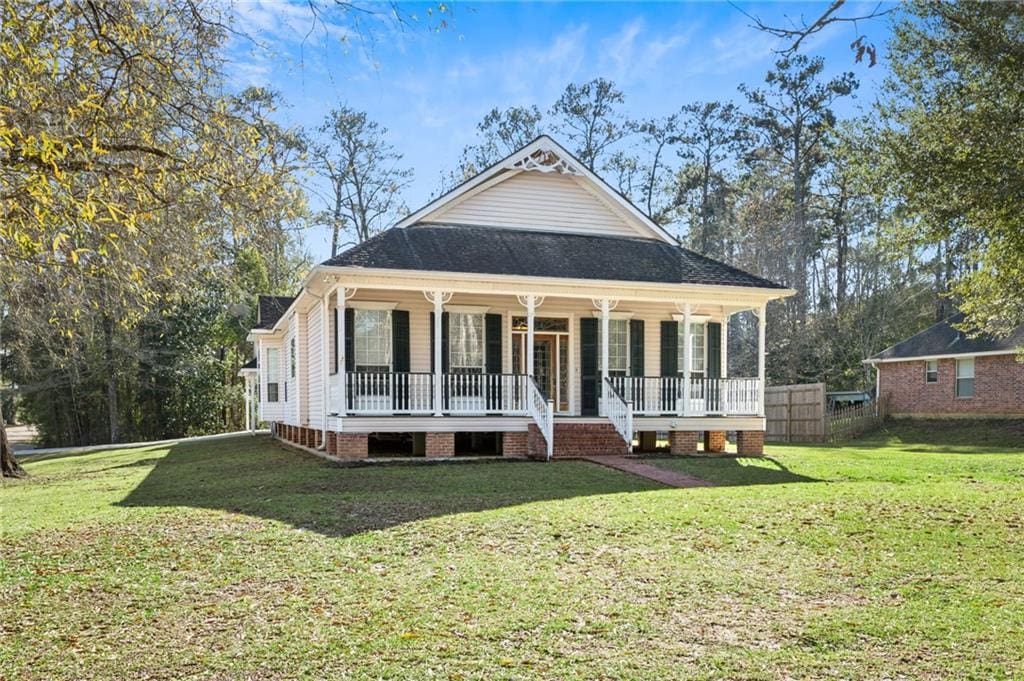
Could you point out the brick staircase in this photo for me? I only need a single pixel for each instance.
(587, 439)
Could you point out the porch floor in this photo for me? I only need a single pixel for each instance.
(644, 470)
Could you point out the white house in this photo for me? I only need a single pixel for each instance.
(532, 306)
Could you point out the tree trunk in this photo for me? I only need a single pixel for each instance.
(9, 466)
(108, 347)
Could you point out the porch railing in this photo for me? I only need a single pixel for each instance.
(485, 394)
(666, 395)
(619, 411)
(542, 410)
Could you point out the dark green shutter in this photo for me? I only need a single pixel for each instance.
(669, 348)
(350, 339)
(492, 332)
(636, 347)
(492, 360)
(588, 366)
(636, 361)
(432, 363)
(400, 359)
(669, 360)
(714, 341)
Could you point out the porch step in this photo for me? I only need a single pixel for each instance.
(588, 439)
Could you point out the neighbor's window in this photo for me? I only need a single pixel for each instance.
(272, 375)
(466, 343)
(618, 346)
(292, 358)
(698, 359)
(965, 377)
(931, 371)
(372, 338)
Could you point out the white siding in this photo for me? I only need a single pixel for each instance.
(312, 370)
(271, 411)
(289, 393)
(538, 201)
(303, 369)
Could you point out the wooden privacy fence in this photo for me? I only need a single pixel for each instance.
(855, 420)
(795, 413)
(798, 413)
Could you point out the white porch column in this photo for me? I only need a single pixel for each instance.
(339, 354)
(725, 346)
(531, 311)
(438, 373)
(761, 314)
(687, 357)
(604, 354)
(248, 402)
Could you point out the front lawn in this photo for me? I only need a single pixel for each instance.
(901, 556)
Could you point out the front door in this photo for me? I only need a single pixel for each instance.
(550, 364)
(544, 365)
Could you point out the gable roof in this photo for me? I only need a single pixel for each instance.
(492, 250)
(547, 156)
(270, 310)
(942, 339)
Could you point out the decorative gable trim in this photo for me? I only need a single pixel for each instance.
(543, 155)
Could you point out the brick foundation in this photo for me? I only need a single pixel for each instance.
(750, 442)
(440, 444)
(515, 444)
(682, 442)
(714, 441)
(349, 445)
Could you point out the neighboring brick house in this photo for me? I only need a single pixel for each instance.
(532, 310)
(941, 372)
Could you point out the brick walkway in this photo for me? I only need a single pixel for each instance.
(665, 477)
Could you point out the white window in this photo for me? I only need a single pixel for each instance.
(372, 339)
(292, 358)
(698, 360)
(618, 347)
(931, 371)
(272, 374)
(466, 343)
(965, 377)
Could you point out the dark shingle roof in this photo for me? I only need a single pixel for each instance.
(492, 250)
(251, 364)
(270, 310)
(942, 339)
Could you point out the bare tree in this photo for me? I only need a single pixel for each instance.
(588, 116)
(363, 171)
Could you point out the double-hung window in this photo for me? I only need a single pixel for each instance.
(466, 342)
(372, 339)
(272, 369)
(618, 347)
(965, 377)
(698, 357)
(931, 371)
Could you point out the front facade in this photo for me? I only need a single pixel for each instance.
(943, 373)
(532, 306)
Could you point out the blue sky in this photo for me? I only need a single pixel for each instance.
(431, 87)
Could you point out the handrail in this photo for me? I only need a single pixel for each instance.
(619, 411)
(542, 410)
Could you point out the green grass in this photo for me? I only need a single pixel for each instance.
(899, 556)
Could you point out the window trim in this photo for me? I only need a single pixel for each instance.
(622, 317)
(958, 378)
(467, 311)
(703, 320)
(274, 366)
(928, 379)
(389, 335)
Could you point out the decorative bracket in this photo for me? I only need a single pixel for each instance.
(526, 301)
(599, 303)
(545, 161)
(431, 297)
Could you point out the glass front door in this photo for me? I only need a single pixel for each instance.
(550, 364)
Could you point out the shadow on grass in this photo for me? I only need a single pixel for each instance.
(734, 471)
(258, 477)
